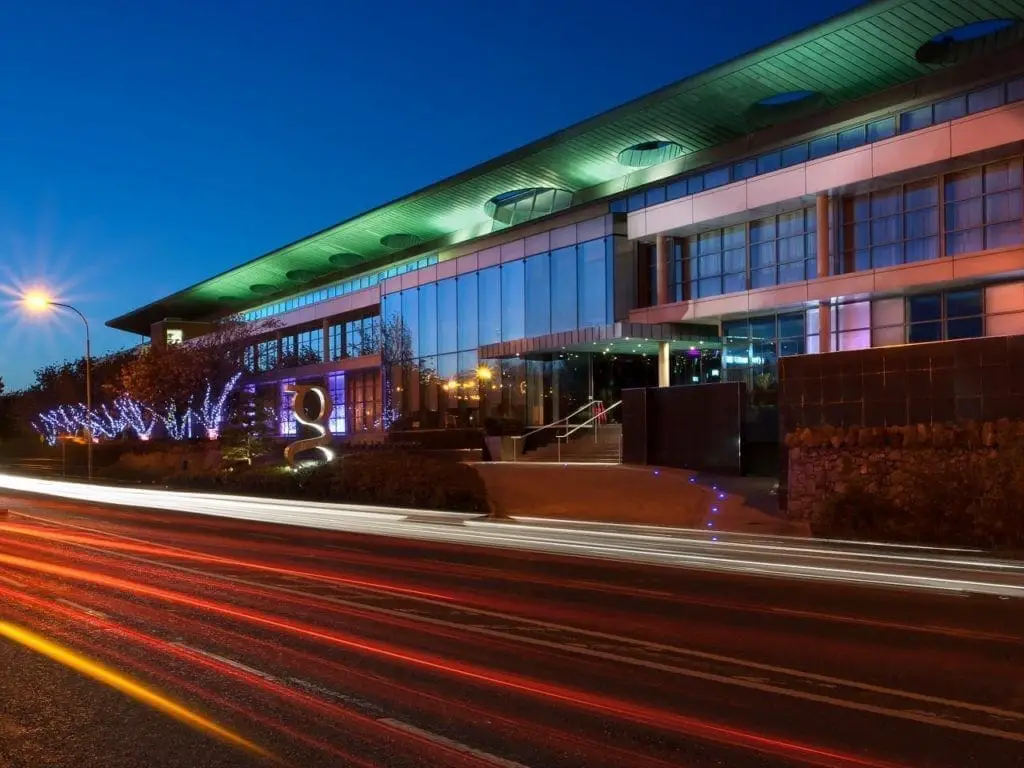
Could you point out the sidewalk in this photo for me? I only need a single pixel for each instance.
(634, 495)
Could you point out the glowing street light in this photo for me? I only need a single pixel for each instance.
(38, 302)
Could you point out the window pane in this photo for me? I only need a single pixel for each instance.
(447, 314)
(428, 320)
(1015, 89)
(655, 195)
(489, 305)
(563, 289)
(794, 155)
(915, 119)
(925, 332)
(989, 98)
(963, 303)
(411, 317)
(619, 206)
(882, 129)
(538, 295)
(468, 317)
(716, 178)
(694, 184)
(791, 324)
(852, 137)
(512, 301)
(636, 201)
(965, 328)
(823, 146)
(926, 307)
(677, 189)
(950, 109)
(768, 163)
(592, 284)
(744, 170)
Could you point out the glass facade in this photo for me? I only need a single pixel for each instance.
(336, 389)
(949, 315)
(984, 208)
(893, 226)
(561, 290)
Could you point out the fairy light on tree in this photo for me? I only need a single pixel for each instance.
(210, 414)
(139, 418)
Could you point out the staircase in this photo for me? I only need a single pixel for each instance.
(582, 448)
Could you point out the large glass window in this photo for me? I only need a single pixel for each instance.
(411, 317)
(593, 284)
(892, 226)
(489, 286)
(983, 208)
(310, 345)
(951, 315)
(538, 295)
(336, 341)
(468, 319)
(717, 261)
(336, 388)
(427, 320)
(783, 249)
(447, 316)
(287, 425)
(512, 301)
(563, 289)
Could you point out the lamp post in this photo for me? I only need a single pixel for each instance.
(40, 302)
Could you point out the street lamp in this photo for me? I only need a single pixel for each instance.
(39, 302)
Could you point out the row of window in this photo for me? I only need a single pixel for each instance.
(945, 110)
(353, 338)
(335, 290)
(753, 344)
(964, 212)
(982, 208)
(549, 292)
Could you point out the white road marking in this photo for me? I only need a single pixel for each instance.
(625, 641)
(90, 611)
(230, 662)
(450, 743)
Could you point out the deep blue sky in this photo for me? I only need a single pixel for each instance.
(147, 145)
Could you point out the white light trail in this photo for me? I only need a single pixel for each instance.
(899, 566)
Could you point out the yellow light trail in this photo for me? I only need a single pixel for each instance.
(123, 684)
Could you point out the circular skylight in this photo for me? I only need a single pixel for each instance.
(953, 44)
(300, 275)
(786, 98)
(648, 153)
(399, 240)
(263, 289)
(341, 259)
(519, 205)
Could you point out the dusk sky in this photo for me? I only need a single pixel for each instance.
(148, 145)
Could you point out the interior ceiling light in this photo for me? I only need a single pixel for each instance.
(519, 205)
(648, 153)
(965, 41)
(400, 240)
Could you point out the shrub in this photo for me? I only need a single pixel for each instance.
(379, 478)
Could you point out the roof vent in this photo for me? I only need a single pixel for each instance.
(400, 241)
(963, 42)
(519, 205)
(648, 153)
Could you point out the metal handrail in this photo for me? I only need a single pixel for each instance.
(592, 419)
(586, 423)
(552, 425)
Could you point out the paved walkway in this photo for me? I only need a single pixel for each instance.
(636, 495)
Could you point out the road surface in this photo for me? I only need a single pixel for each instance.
(134, 637)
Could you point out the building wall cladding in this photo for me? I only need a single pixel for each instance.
(916, 428)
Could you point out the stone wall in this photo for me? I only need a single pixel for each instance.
(925, 482)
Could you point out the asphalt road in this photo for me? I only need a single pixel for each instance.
(153, 638)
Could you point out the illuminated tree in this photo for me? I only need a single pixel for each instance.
(211, 413)
(250, 425)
